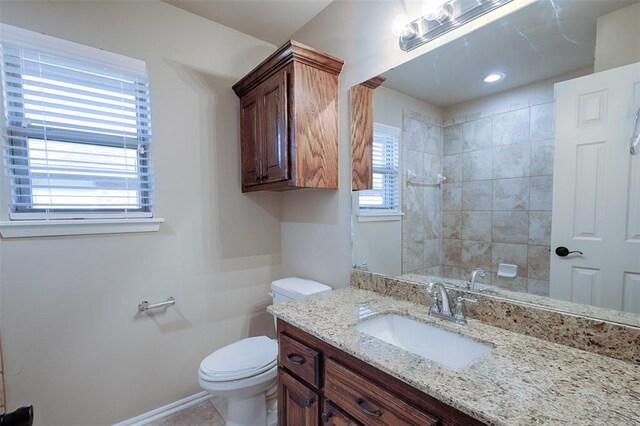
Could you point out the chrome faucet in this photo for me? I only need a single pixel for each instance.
(471, 284)
(441, 305)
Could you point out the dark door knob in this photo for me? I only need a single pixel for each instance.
(564, 252)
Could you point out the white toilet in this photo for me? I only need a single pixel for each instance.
(245, 372)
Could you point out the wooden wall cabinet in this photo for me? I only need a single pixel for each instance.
(362, 133)
(322, 385)
(289, 121)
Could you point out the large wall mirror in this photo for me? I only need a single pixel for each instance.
(508, 150)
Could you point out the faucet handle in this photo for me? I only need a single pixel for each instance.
(459, 314)
(435, 302)
(462, 298)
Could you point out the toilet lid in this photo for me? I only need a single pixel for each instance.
(244, 358)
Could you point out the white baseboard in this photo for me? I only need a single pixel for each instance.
(165, 411)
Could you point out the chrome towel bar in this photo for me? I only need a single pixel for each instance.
(145, 306)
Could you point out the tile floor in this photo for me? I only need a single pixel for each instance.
(202, 414)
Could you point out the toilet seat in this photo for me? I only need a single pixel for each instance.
(245, 358)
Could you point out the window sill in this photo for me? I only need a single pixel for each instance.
(380, 217)
(61, 227)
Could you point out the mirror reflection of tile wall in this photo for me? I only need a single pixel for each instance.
(495, 206)
(422, 143)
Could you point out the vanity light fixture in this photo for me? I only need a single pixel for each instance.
(399, 24)
(436, 10)
(494, 77)
(440, 17)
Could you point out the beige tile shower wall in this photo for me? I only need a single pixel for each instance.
(497, 199)
(422, 144)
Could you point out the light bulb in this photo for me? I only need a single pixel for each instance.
(432, 9)
(399, 24)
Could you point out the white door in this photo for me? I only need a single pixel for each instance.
(596, 191)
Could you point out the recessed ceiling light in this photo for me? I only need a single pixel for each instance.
(493, 77)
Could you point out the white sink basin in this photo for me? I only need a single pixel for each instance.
(444, 347)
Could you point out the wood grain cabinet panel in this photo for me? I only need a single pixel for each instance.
(250, 130)
(297, 404)
(368, 402)
(301, 360)
(362, 120)
(333, 416)
(289, 121)
(275, 158)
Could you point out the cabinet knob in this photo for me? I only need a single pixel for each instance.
(308, 402)
(326, 417)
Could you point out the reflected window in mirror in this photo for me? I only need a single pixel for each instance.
(384, 198)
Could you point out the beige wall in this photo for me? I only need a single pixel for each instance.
(73, 343)
(618, 38)
(316, 225)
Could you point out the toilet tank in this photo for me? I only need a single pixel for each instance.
(294, 288)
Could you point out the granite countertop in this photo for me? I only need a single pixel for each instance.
(523, 381)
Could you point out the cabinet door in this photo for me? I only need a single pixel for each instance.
(275, 146)
(250, 137)
(361, 137)
(297, 404)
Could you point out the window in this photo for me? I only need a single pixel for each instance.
(384, 197)
(76, 132)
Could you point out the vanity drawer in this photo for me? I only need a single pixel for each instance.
(368, 402)
(301, 360)
(333, 416)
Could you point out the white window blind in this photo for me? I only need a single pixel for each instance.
(77, 131)
(384, 196)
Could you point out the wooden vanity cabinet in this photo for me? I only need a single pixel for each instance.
(297, 404)
(289, 121)
(322, 385)
(368, 402)
(333, 416)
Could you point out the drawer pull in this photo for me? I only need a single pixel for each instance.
(368, 412)
(308, 402)
(295, 359)
(326, 417)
